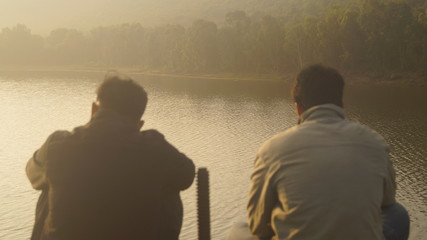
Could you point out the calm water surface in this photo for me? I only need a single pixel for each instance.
(219, 124)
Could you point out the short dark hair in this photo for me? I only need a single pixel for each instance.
(316, 85)
(123, 95)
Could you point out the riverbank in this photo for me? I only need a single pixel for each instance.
(419, 79)
(352, 79)
(135, 71)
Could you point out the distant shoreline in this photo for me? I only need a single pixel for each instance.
(352, 79)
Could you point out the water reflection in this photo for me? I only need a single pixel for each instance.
(399, 113)
(219, 124)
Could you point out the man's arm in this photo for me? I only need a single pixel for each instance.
(181, 169)
(36, 166)
(389, 185)
(36, 171)
(261, 200)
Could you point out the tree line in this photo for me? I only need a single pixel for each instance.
(370, 36)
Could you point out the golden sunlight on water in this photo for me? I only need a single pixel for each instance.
(219, 125)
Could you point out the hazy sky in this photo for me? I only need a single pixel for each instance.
(42, 16)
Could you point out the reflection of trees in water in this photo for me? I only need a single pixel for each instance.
(262, 90)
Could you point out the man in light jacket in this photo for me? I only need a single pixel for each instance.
(107, 179)
(327, 177)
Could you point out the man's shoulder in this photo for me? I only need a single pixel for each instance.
(366, 134)
(152, 137)
(54, 141)
(151, 133)
(156, 141)
(58, 136)
(280, 139)
(286, 134)
(298, 136)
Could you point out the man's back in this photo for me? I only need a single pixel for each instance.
(326, 178)
(106, 180)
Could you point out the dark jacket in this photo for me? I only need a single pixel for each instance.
(107, 180)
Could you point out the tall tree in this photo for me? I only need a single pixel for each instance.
(202, 52)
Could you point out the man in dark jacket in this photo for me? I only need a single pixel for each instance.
(107, 179)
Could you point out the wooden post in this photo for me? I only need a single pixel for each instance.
(203, 205)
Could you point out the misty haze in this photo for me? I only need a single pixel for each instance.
(218, 75)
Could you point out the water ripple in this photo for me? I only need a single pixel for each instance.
(219, 127)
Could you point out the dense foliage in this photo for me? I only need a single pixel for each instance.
(357, 36)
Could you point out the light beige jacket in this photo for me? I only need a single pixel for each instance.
(325, 178)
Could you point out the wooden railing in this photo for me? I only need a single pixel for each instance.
(203, 208)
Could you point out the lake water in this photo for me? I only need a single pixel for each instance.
(219, 124)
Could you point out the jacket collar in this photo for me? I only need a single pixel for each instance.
(325, 112)
(109, 117)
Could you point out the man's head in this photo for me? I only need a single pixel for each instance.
(317, 85)
(122, 95)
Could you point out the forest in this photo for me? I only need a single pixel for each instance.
(364, 36)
